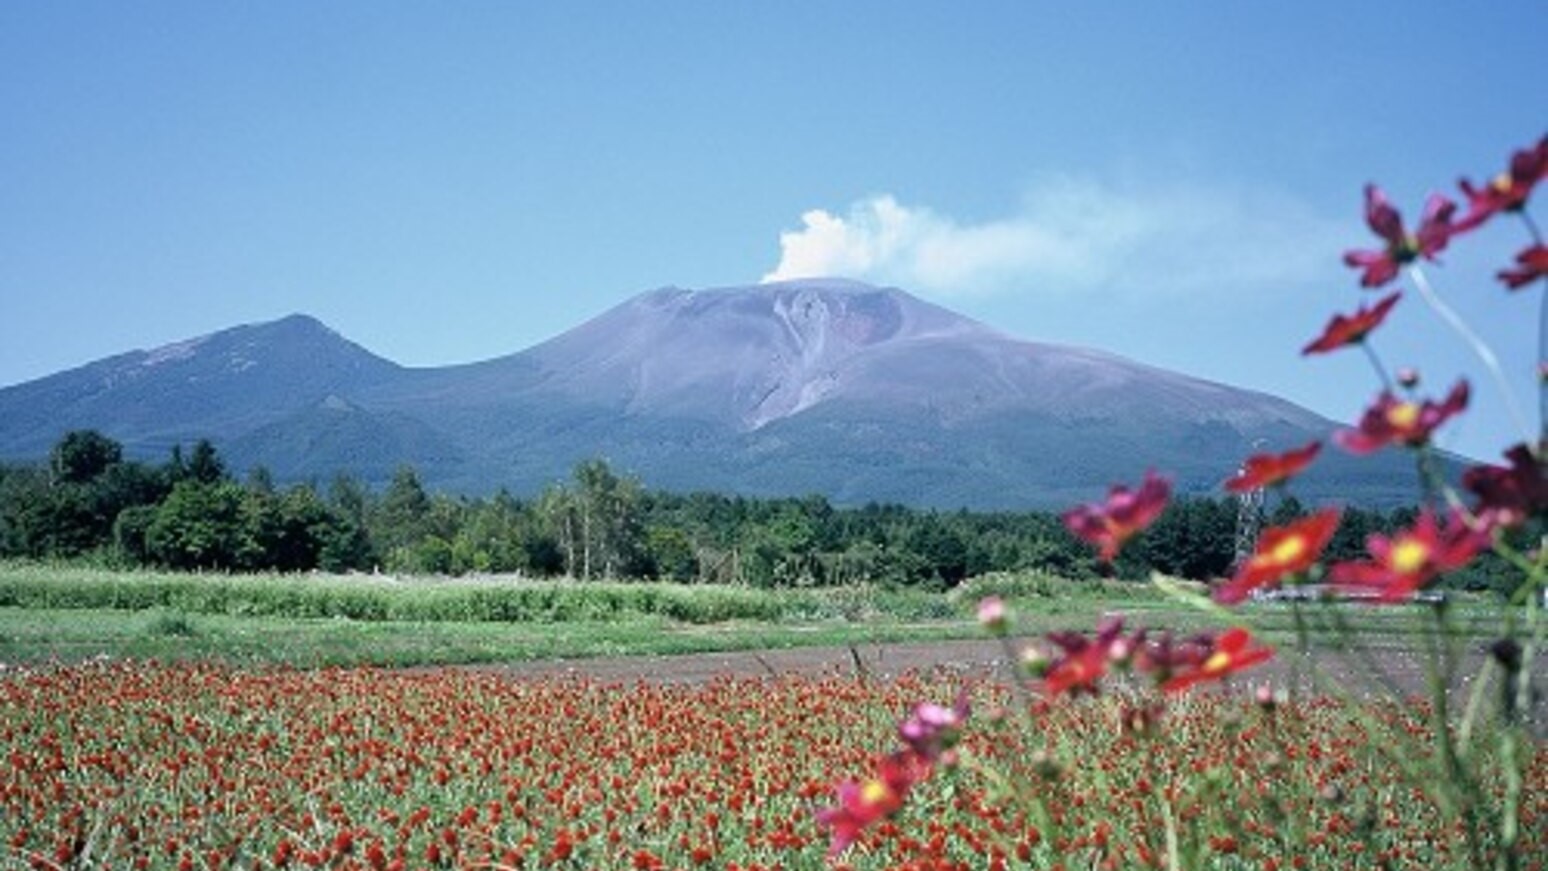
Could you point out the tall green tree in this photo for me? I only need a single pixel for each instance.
(82, 456)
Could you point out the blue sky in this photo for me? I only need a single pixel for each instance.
(450, 182)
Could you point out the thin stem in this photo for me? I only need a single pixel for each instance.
(1531, 225)
(1381, 370)
(1429, 480)
(1542, 338)
(1458, 786)
(1484, 353)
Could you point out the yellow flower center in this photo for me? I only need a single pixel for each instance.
(1217, 662)
(1409, 556)
(1501, 183)
(875, 792)
(1403, 416)
(1288, 550)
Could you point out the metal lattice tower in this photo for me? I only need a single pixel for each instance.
(1249, 520)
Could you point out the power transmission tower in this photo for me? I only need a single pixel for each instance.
(1249, 520)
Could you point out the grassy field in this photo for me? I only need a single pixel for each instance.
(73, 614)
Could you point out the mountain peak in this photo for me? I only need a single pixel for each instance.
(812, 385)
(741, 355)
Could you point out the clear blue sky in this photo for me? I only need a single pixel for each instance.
(450, 182)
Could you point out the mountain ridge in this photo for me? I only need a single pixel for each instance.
(856, 392)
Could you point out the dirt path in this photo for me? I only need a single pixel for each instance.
(1402, 669)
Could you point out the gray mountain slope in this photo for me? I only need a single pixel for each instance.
(825, 386)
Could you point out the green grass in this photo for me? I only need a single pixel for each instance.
(33, 636)
(72, 614)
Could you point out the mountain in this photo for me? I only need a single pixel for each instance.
(219, 386)
(825, 386)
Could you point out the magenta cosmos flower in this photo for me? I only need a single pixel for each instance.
(1381, 266)
(1108, 525)
(1390, 420)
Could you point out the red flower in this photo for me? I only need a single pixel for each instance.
(1509, 495)
(1283, 550)
(1125, 513)
(1162, 656)
(1232, 652)
(860, 805)
(1268, 470)
(1391, 420)
(1533, 265)
(1430, 239)
(1352, 329)
(1409, 560)
(1076, 672)
(1085, 659)
(1508, 191)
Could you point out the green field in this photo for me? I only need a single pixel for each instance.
(72, 614)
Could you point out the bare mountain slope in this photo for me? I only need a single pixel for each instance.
(857, 392)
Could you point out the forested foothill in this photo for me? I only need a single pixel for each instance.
(89, 503)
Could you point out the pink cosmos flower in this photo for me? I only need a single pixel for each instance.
(1381, 266)
(1401, 421)
(1508, 191)
(1282, 551)
(1345, 330)
(931, 730)
(1531, 264)
(1509, 495)
(1232, 652)
(1407, 561)
(863, 804)
(1110, 524)
(1268, 470)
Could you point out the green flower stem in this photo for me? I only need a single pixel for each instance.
(1381, 369)
(1510, 734)
(1542, 339)
(1302, 648)
(1344, 632)
(1480, 348)
(1456, 783)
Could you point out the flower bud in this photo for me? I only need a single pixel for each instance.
(1120, 651)
(1034, 661)
(993, 615)
(1269, 698)
(1045, 765)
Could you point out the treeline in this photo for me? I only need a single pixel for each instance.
(89, 502)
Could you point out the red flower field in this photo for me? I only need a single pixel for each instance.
(152, 766)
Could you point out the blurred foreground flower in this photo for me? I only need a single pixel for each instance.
(1404, 563)
(1400, 421)
(1125, 513)
(1531, 264)
(993, 615)
(931, 730)
(1345, 330)
(1232, 652)
(1282, 551)
(1509, 495)
(1268, 470)
(1085, 660)
(862, 804)
(1382, 266)
(1508, 191)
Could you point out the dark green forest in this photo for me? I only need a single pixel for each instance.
(88, 503)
